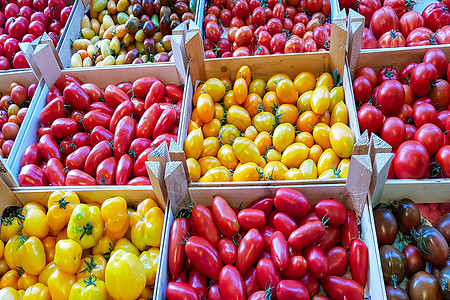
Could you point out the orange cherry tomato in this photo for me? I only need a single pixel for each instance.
(307, 121)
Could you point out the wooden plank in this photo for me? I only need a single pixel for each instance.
(28, 51)
(48, 65)
(8, 197)
(362, 144)
(356, 31)
(194, 54)
(46, 40)
(377, 145)
(179, 53)
(156, 174)
(339, 45)
(381, 166)
(176, 153)
(359, 173)
(176, 183)
(160, 154)
(350, 103)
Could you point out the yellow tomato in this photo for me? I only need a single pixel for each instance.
(325, 118)
(227, 157)
(193, 146)
(240, 90)
(252, 104)
(342, 140)
(35, 223)
(105, 245)
(320, 100)
(49, 243)
(244, 72)
(9, 293)
(207, 163)
(31, 255)
(2, 248)
(239, 117)
(274, 170)
(264, 121)
(304, 101)
(262, 162)
(68, 256)
(197, 94)
(288, 113)
(196, 117)
(115, 215)
(194, 169)
(34, 204)
(343, 167)
(336, 96)
(205, 108)
(60, 206)
(218, 111)
(12, 225)
(126, 245)
(339, 114)
(10, 254)
(258, 86)
(247, 172)
(228, 133)
(217, 174)
(270, 101)
(26, 280)
(305, 138)
(273, 155)
(306, 121)
(283, 136)
(315, 152)
(210, 147)
(245, 150)
(272, 82)
(286, 91)
(305, 81)
(325, 79)
(37, 291)
(60, 284)
(294, 155)
(308, 169)
(192, 125)
(329, 174)
(89, 287)
(263, 142)
(215, 88)
(9, 279)
(293, 174)
(3, 266)
(46, 273)
(94, 265)
(321, 134)
(149, 259)
(328, 160)
(229, 100)
(251, 133)
(212, 128)
(227, 83)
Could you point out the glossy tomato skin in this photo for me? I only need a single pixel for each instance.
(250, 281)
(383, 20)
(279, 251)
(204, 224)
(148, 121)
(99, 152)
(106, 171)
(436, 16)
(296, 268)
(249, 250)
(264, 203)
(225, 218)
(332, 210)
(424, 113)
(204, 257)
(410, 21)
(370, 118)
(55, 172)
(199, 282)
(358, 258)
(267, 233)
(32, 155)
(306, 235)
(181, 291)
(390, 97)
(431, 137)
(291, 289)
(49, 148)
(404, 73)
(317, 262)
(76, 96)
(367, 8)
(393, 132)
(423, 76)
(392, 39)
(284, 223)
(266, 273)
(126, 108)
(32, 175)
(76, 159)
(387, 73)
(227, 251)
(411, 161)
(291, 202)
(214, 292)
(362, 89)
(438, 59)
(251, 218)
(310, 283)
(369, 41)
(443, 158)
(100, 133)
(330, 239)
(114, 96)
(124, 135)
(63, 127)
(231, 284)
(337, 261)
(338, 287)
(77, 177)
(96, 118)
(349, 231)
(52, 111)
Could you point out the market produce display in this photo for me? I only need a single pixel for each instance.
(280, 129)
(13, 108)
(244, 28)
(129, 32)
(26, 20)
(71, 250)
(275, 248)
(407, 242)
(409, 109)
(392, 23)
(92, 136)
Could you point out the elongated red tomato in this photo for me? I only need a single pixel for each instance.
(141, 180)
(124, 169)
(250, 281)
(174, 92)
(279, 251)
(77, 177)
(138, 146)
(115, 96)
(32, 155)
(338, 288)
(306, 235)
(266, 273)
(96, 118)
(264, 203)
(199, 282)
(330, 239)
(337, 261)
(93, 91)
(284, 223)
(67, 146)
(231, 284)
(142, 85)
(100, 152)
(139, 168)
(165, 122)
(32, 175)
(251, 218)
(155, 94)
(124, 135)
(331, 211)
(49, 148)
(52, 111)
(291, 202)
(227, 251)
(65, 80)
(250, 248)
(106, 171)
(349, 231)
(296, 268)
(126, 108)
(77, 158)
(100, 133)
(101, 107)
(204, 257)
(181, 291)
(55, 172)
(291, 290)
(358, 257)
(267, 233)
(204, 224)
(310, 283)
(63, 127)
(225, 217)
(76, 96)
(148, 122)
(81, 139)
(317, 262)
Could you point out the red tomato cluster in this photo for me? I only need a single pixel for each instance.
(24, 21)
(410, 110)
(13, 108)
(277, 246)
(394, 24)
(92, 136)
(290, 26)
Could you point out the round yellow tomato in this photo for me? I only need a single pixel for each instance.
(247, 172)
(342, 140)
(251, 133)
(217, 174)
(9, 293)
(240, 89)
(212, 128)
(35, 223)
(272, 82)
(315, 152)
(325, 79)
(288, 113)
(193, 146)
(305, 138)
(9, 279)
(305, 81)
(37, 291)
(197, 93)
(308, 169)
(227, 83)
(239, 117)
(210, 147)
(207, 163)
(343, 167)
(321, 134)
(264, 121)
(205, 108)
(195, 117)
(194, 169)
(258, 86)
(273, 155)
(325, 118)
(215, 88)
(245, 150)
(26, 280)
(229, 100)
(320, 100)
(283, 136)
(306, 121)
(228, 133)
(263, 142)
(328, 160)
(244, 72)
(227, 157)
(294, 155)
(218, 111)
(304, 101)
(293, 174)
(252, 104)
(336, 96)
(339, 114)
(274, 170)
(286, 91)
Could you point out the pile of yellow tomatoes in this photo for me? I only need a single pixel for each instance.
(71, 250)
(250, 130)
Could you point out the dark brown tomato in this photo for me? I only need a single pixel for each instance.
(444, 282)
(414, 262)
(393, 263)
(396, 293)
(407, 215)
(385, 226)
(443, 226)
(431, 244)
(423, 285)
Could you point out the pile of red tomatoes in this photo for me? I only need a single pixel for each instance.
(254, 27)
(409, 109)
(26, 20)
